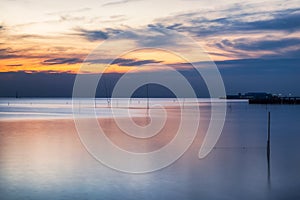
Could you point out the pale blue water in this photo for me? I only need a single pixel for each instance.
(45, 159)
(47, 108)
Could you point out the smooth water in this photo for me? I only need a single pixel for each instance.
(41, 156)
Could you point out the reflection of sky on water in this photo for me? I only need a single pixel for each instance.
(28, 108)
(45, 159)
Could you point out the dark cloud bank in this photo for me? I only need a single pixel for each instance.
(275, 76)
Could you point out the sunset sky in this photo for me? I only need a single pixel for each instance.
(255, 44)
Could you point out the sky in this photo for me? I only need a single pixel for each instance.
(255, 44)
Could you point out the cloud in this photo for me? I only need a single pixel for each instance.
(69, 11)
(29, 53)
(92, 35)
(288, 23)
(241, 30)
(7, 53)
(58, 61)
(133, 62)
(262, 47)
(70, 18)
(195, 24)
(113, 3)
(232, 29)
(259, 45)
(149, 36)
(30, 36)
(117, 16)
(289, 54)
(247, 65)
(14, 65)
(124, 62)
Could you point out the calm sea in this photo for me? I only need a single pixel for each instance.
(41, 156)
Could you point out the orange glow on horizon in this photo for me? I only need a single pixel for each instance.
(158, 60)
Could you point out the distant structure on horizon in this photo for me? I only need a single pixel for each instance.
(265, 98)
(250, 95)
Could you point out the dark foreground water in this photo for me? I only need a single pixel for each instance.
(41, 157)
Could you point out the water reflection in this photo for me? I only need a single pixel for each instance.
(45, 159)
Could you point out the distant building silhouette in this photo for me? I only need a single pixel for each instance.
(265, 98)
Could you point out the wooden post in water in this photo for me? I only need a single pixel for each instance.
(147, 91)
(147, 111)
(269, 134)
(269, 149)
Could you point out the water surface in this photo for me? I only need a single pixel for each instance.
(41, 156)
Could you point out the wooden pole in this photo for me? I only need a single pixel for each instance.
(147, 87)
(269, 134)
(269, 149)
